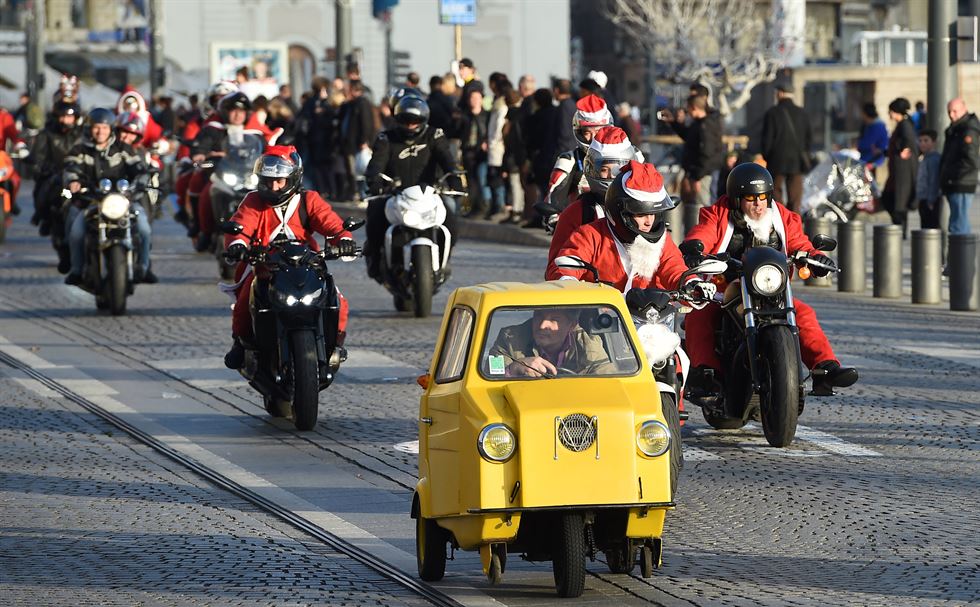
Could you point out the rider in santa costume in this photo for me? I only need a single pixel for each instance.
(274, 209)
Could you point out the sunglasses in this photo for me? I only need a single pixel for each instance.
(754, 197)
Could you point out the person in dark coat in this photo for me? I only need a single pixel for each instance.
(903, 164)
(564, 137)
(786, 142)
(440, 105)
(357, 130)
(959, 164)
(703, 151)
(471, 130)
(540, 137)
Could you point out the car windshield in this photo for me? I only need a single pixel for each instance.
(557, 341)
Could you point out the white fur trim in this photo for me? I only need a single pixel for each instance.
(643, 194)
(658, 342)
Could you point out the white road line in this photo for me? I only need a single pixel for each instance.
(25, 356)
(693, 454)
(833, 444)
(37, 387)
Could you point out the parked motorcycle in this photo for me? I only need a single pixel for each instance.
(417, 244)
(111, 242)
(759, 344)
(231, 180)
(295, 311)
(839, 187)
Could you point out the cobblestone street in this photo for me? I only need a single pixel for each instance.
(876, 503)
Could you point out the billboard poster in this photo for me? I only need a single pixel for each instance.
(258, 67)
(457, 12)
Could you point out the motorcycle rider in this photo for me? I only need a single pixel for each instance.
(591, 114)
(132, 102)
(412, 153)
(48, 156)
(746, 216)
(101, 156)
(9, 132)
(280, 205)
(628, 246)
(608, 152)
(235, 110)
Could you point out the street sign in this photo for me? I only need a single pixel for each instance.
(457, 12)
(966, 39)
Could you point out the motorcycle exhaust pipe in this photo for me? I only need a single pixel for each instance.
(851, 257)
(887, 261)
(927, 253)
(964, 272)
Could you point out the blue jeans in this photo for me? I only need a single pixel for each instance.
(75, 228)
(959, 212)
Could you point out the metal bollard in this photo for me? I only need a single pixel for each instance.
(812, 227)
(887, 261)
(691, 211)
(851, 257)
(964, 272)
(675, 221)
(927, 254)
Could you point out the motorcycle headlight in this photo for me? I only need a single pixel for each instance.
(230, 178)
(307, 300)
(411, 219)
(653, 439)
(114, 206)
(497, 443)
(252, 181)
(768, 279)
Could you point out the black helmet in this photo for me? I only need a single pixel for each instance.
(100, 115)
(278, 162)
(65, 108)
(748, 178)
(637, 190)
(412, 113)
(236, 100)
(396, 93)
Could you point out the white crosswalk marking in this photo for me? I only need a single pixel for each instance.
(964, 356)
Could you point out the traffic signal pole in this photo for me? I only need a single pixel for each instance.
(941, 80)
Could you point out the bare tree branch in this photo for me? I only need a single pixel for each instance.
(723, 44)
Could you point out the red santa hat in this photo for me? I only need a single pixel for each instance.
(644, 182)
(612, 141)
(591, 110)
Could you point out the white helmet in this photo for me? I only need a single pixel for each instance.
(590, 112)
(217, 90)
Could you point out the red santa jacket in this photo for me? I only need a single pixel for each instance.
(716, 226)
(190, 132)
(596, 244)
(265, 222)
(569, 220)
(8, 129)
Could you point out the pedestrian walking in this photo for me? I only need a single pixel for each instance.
(500, 86)
(357, 131)
(564, 136)
(898, 196)
(927, 190)
(786, 143)
(873, 139)
(515, 155)
(959, 164)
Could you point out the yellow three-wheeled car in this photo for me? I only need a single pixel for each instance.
(541, 433)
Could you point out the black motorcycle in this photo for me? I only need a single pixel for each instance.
(232, 179)
(759, 344)
(295, 311)
(111, 241)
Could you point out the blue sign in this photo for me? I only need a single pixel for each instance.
(457, 12)
(379, 7)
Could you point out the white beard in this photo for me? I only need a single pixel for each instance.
(762, 227)
(645, 255)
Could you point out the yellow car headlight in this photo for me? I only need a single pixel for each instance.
(653, 439)
(497, 443)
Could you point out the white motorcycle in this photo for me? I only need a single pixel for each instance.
(415, 262)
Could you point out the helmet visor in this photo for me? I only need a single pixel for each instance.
(274, 167)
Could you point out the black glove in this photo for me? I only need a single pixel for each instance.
(236, 252)
(693, 252)
(820, 258)
(346, 248)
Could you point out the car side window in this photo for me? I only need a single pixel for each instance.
(452, 359)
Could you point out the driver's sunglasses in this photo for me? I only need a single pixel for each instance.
(754, 197)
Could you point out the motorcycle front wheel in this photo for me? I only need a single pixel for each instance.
(115, 285)
(306, 378)
(422, 281)
(779, 397)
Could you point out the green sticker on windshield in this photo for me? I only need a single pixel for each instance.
(497, 366)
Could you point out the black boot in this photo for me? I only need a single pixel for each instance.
(235, 357)
(203, 242)
(703, 384)
(829, 374)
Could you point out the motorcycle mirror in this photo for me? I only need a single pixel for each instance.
(105, 185)
(570, 262)
(711, 266)
(822, 242)
(352, 224)
(231, 227)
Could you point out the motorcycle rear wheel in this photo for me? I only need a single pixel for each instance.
(422, 281)
(115, 286)
(306, 379)
(779, 398)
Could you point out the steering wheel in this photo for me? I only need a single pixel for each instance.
(566, 371)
